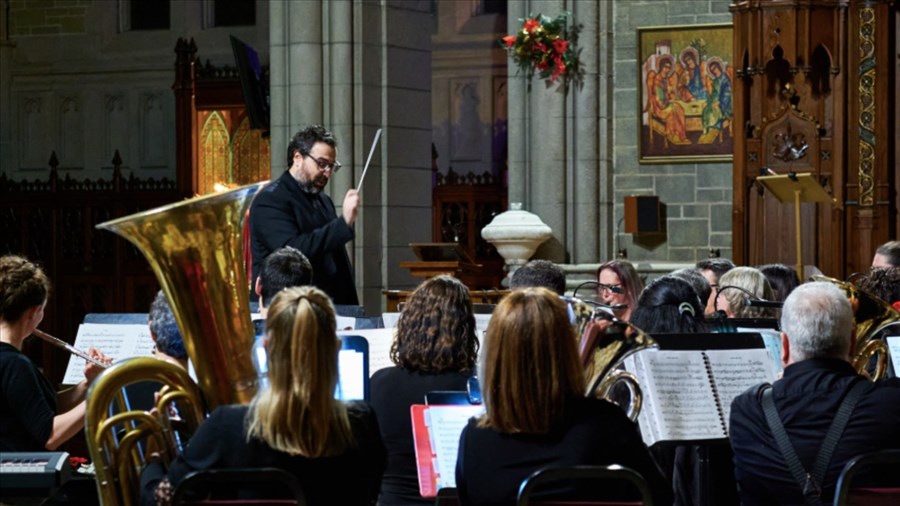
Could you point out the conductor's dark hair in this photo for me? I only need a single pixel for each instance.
(539, 273)
(305, 139)
(718, 265)
(436, 330)
(782, 278)
(283, 268)
(891, 251)
(669, 305)
(696, 279)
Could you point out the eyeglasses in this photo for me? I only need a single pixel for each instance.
(324, 165)
(617, 288)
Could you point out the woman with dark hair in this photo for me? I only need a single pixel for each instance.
(669, 305)
(435, 349)
(782, 279)
(535, 412)
(296, 424)
(34, 417)
(619, 285)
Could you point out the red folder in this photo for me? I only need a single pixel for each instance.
(427, 441)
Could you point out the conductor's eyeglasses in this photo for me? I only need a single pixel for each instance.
(324, 166)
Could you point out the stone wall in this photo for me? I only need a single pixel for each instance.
(697, 196)
(45, 17)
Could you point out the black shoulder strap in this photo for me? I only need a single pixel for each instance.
(810, 483)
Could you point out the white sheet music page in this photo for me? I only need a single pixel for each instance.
(115, 340)
(380, 341)
(734, 371)
(445, 424)
(684, 401)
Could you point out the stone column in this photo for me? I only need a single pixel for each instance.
(6, 115)
(356, 66)
(558, 148)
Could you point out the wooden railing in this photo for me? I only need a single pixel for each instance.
(53, 222)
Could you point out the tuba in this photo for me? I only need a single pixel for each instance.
(871, 315)
(603, 351)
(195, 249)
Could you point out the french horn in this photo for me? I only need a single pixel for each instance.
(871, 316)
(604, 348)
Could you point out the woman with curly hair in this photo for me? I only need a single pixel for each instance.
(435, 349)
(296, 424)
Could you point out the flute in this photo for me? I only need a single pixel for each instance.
(55, 341)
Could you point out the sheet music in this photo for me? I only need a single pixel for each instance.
(685, 406)
(481, 325)
(390, 320)
(772, 340)
(380, 341)
(116, 341)
(647, 419)
(445, 424)
(345, 322)
(893, 344)
(352, 385)
(734, 371)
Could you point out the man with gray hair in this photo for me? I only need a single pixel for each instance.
(820, 393)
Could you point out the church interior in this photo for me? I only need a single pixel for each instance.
(759, 131)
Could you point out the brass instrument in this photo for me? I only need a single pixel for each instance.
(195, 249)
(603, 352)
(872, 315)
(119, 440)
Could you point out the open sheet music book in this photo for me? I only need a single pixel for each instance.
(436, 431)
(115, 340)
(687, 394)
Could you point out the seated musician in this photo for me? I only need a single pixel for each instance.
(34, 417)
(164, 331)
(535, 412)
(887, 255)
(696, 278)
(737, 286)
(817, 338)
(713, 269)
(619, 285)
(669, 305)
(435, 349)
(333, 448)
(782, 278)
(286, 267)
(539, 273)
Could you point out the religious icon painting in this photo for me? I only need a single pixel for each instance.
(686, 76)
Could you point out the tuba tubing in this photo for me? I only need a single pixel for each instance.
(195, 249)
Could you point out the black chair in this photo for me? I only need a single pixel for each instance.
(594, 480)
(857, 485)
(251, 486)
(441, 397)
(446, 497)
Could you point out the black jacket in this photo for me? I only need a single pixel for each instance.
(283, 214)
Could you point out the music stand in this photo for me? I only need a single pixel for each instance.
(797, 188)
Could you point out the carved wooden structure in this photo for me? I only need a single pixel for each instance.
(815, 91)
(460, 207)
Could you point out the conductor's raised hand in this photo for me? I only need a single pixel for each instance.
(351, 206)
(91, 370)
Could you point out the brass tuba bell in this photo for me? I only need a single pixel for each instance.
(871, 315)
(195, 249)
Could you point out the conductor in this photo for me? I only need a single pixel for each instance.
(294, 211)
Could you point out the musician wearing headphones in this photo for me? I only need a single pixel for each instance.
(820, 394)
(295, 211)
(33, 416)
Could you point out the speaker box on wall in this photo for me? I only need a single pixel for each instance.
(643, 215)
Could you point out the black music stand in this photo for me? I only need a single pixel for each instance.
(708, 341)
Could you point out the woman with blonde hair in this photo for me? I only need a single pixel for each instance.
(296, 424)
(535, 412)
(739, 285)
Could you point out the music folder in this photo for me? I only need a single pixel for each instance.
(436, 431)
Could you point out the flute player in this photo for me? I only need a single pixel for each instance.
(33, 416)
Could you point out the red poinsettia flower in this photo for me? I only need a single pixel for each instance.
(509, 40)
(543, 65)
(560, 45)
(559, 68)
(531, 25)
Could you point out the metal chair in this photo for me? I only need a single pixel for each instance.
(874, 491)
(598, 477)
(264, 486)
